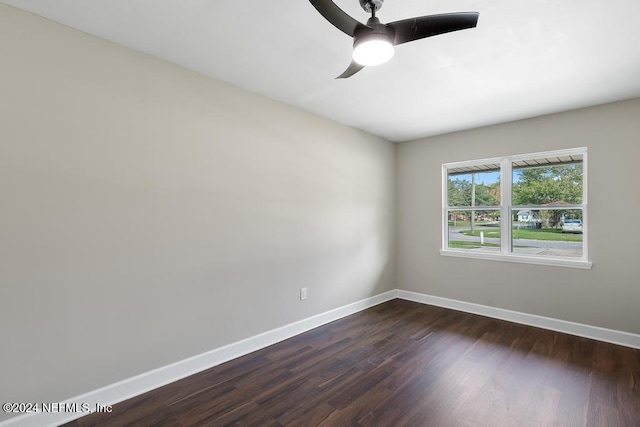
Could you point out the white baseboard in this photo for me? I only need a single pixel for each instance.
(131, 387)
(126, 389)
(594, 332)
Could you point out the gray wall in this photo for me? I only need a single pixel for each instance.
(149, 214)
(605, 296)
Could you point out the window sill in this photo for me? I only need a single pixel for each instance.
(555, 262)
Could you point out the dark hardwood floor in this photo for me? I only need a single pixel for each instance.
(404, 364)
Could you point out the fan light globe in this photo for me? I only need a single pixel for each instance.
(372, 51)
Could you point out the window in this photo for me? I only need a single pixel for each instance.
(527, 208)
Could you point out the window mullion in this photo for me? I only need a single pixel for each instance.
(505, 203)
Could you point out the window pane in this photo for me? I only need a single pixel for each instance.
(477, 188)
(474, 230)
(547, 232)
(548, 181)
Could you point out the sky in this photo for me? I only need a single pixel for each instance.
(488, 178)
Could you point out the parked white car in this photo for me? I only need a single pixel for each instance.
(572, 226)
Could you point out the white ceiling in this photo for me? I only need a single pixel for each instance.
(525, 58)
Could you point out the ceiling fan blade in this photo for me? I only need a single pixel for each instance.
(353, 68)
(337, 16)
(408, 30)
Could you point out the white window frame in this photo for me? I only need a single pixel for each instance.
(506, 223)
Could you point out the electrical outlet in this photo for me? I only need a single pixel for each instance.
(303, 294)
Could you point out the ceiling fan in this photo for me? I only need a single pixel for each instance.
(373, 42)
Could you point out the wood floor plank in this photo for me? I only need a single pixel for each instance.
(404, 364)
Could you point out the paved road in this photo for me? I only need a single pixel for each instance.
(548, 247)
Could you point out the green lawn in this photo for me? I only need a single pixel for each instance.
(539, 234)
